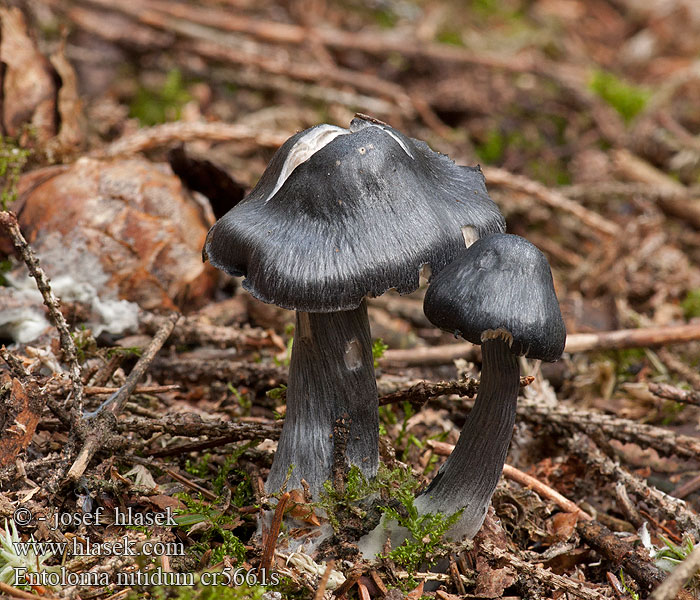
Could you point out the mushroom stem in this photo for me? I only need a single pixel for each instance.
(469, 477)
(331, 375)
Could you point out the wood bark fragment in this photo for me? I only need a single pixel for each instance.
(633, 561)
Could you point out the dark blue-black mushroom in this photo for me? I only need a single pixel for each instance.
(339, 215)
(498, 293)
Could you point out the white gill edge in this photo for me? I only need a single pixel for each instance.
(312, 142)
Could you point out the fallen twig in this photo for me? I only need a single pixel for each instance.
(419, 393)
(553, 198)
(323, 582)
(17, 593)
(192, 485)
(514, 474)
(197, 331)
(8, 221)
(671, 392)
(271, 539)
(181, 131)
(544, 576)
(671, 508)
(104, 421)
(575, 342)
(634, 561)
(594, 423)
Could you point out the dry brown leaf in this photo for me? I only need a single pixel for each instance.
(561, 526)
(491, 583)
(300, 509)
(127, 226)
(19, 415)
(30, 84)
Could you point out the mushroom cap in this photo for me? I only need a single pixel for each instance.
(340, 214)
(501, 282)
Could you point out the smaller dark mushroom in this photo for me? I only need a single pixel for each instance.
(497, 293)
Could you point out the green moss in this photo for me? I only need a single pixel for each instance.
(153, 106)
(493, 147)
(12, 160)
(691, 304)
(451, 37)
(427, 532)
(199, 468)
(625, 98)
(201, 592)
(218, 537)
(385, 18)
(378, 350)
(358, 488)
(5, 267)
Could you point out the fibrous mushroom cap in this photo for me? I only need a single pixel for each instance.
(500, 282)
(340, 214)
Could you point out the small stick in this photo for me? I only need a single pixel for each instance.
(671, 508)
(687, 488)
(514, 474)
(115, 404)
(14, 363)
(139, 370)
(321, 590)
(94, 390)
(364, 592)
(677, 579)
(456, 579)
(670, 392)
(419, 393)
(191, 484)
(635, 561)
(575, 342)
(553, 198)
(180, 131)
(544, 490)
(543, 576)
(351, 579)
(271, 540)
(17, 593)
(9, 223)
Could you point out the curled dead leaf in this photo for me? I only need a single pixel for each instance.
(300, 509)
(19, 416)
(126, 227)
(29, 82)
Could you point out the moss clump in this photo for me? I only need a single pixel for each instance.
(627, 99)
(153, 106)
(12, 160)
(691, 304)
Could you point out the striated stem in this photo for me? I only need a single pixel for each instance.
(331, 375)
(468, 478)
